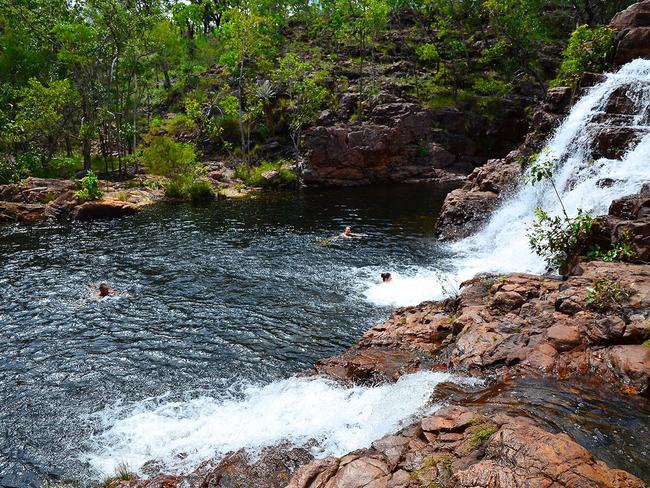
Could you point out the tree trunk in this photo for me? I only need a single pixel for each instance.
(240, 97)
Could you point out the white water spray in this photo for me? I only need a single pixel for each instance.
(185, 433)
(502, 245)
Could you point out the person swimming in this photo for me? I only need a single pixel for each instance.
(348, 234)
(386, 277)
(104, 291)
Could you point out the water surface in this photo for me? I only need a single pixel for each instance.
(216, 298)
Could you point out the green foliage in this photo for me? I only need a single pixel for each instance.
(588, 49)
(89, 188)
(623, 250)
(557, 239)
(189, 186)
(165, 157)
(606, 295)
(266, 175)
(491, 87)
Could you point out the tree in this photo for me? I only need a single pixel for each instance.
(362, 21)
(249, 40)
(42, 114)
(304, 95)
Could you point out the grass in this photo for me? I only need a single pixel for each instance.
(122, 473)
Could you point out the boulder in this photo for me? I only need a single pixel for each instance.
(467, 208)
(105, 208)
(633, 33)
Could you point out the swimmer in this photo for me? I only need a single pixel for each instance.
(386, 277)
(104, 291)
(348, 234)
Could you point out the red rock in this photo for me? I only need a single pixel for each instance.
(563, 337)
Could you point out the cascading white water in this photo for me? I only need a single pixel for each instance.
(502, 245)
(182, 434)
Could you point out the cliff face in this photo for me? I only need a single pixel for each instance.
(401, 140)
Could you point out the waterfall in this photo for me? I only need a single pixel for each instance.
(583, 181)
(181, 434)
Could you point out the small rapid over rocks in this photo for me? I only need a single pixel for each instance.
(335, 419)
(599, 153)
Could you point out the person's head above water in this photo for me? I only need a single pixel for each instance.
(347, 231)
(103, 290)
(386, 277)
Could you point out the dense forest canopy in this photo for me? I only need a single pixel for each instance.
(93, 83)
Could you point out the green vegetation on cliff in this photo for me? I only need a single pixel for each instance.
(103, 84)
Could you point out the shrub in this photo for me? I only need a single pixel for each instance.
(200, 191)
(589, 49)
(557, 239)
(258, 175)
(606, 295)
(190, 187)
(165, 157)
(623, 250)
(490, 87)
(89, 188)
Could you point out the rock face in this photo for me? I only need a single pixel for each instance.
(628, 223)
(633, 33)
(467, 208)
(400, 140)
(36, 199)
(518, 324)
(462, 448)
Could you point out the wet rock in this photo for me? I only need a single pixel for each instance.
(502, 451)
(518, 324)
(105, 208)
(466, 208)
(369, 365)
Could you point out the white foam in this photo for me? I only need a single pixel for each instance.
(181, 434)
(405, 290)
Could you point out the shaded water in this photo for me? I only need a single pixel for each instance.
(217, 299)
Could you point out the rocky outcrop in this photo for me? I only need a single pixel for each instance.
(36, 199)
(462, 448)
(105, 208)
(633, 33)
(400, 140)
(520, 324)
(627, 224)
(466, 208)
